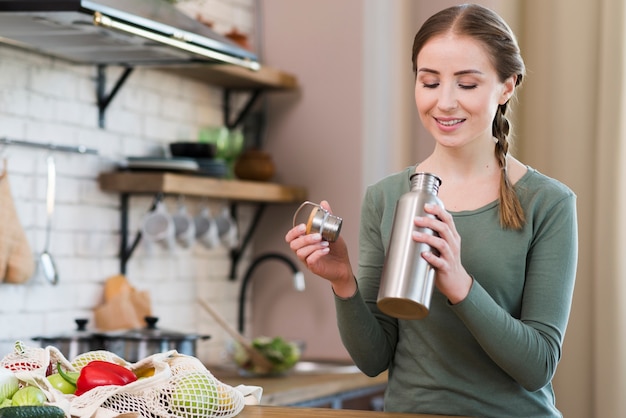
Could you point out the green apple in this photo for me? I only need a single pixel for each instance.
(194, 394)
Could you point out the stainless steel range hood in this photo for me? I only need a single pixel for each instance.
(121, 32)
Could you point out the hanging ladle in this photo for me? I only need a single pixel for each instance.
(45, 259)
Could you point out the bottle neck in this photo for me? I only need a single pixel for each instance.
(425, 182)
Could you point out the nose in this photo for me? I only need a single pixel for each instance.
(447, 99)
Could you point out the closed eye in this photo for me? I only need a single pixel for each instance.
(462, 86)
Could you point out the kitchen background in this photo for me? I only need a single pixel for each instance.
(351, 121)
(51, 101)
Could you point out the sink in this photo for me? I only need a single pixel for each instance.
(324, 367)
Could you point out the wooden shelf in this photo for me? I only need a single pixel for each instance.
(232, 77)
(190, 185)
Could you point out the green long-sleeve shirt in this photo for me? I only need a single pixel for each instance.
(493, 354)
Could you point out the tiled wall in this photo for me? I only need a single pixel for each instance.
(50, 101)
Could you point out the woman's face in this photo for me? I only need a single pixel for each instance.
(457, 90)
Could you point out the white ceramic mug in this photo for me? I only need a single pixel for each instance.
(227, 229)
(206, 228)
(158, 227)
(184, 227)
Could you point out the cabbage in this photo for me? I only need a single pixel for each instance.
(29, 395)
(8, 384)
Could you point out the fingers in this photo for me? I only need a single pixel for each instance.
(442, 222)
(311, 254)
(443, 226)
(295, 232)
(305, 245)
(308, 244)
(439, 212)
(452, 279)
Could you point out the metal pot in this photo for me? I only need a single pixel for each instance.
(74, 343)
(135, 345)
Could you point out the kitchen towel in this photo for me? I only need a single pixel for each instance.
(16, 258)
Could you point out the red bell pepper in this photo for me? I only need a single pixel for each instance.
(101, 373)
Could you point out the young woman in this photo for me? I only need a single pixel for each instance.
(506, 244)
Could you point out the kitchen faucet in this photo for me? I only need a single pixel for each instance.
(298, 280)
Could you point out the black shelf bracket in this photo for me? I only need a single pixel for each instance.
(103, 98)
(126, 251)
(227, 108)
(237, 253)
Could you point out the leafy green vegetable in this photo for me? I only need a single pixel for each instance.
(281, 353)
(8, 384)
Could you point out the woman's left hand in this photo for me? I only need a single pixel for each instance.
(452, 279)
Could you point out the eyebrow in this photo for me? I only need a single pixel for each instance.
(462, 72)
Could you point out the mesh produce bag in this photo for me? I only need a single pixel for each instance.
(31, 365)
(180, 387)
(81, 360)
(173, 386)
(31, 359)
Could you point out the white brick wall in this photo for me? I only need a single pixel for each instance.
(51, 101)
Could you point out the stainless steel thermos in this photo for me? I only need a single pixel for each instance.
(408, 280)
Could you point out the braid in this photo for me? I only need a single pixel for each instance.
(511, 212)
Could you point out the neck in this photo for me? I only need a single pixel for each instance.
(462, 163)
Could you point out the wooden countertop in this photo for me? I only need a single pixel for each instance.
(298, 388)
(257, 411)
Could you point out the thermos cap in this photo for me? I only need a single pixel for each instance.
(319, 220)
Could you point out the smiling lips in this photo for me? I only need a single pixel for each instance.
(449, 122)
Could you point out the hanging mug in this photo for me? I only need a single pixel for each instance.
(158, 227)
(227, 229)
(184, 226)
(206, 229)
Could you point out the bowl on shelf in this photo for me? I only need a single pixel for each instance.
(190, 149)
(254, 164)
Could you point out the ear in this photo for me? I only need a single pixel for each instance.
(508, 88)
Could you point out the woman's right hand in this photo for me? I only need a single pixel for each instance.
(327, 260)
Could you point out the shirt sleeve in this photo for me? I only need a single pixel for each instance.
(369, 336)
(529, 348)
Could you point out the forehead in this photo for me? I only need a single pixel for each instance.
(450, 52)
